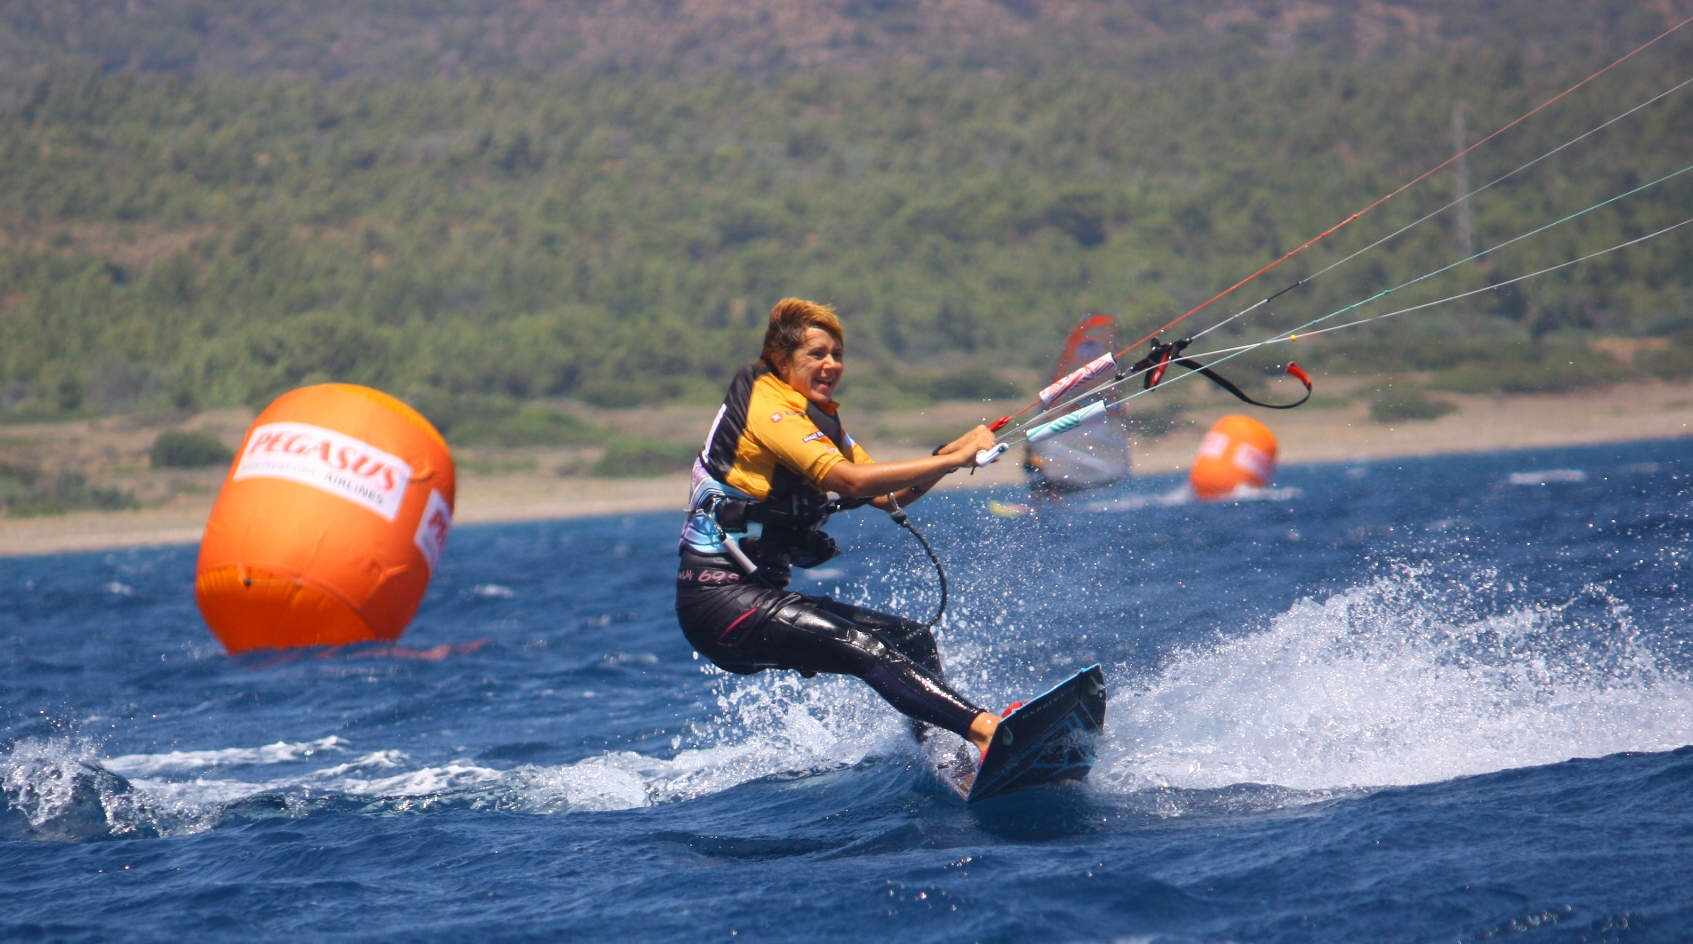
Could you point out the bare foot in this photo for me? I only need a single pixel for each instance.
(982, 730)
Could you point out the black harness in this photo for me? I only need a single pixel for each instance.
(1162, 356)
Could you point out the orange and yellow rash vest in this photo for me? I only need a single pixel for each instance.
(767, 440)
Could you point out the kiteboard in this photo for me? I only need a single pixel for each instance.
(1048, 740)
(1094, 452)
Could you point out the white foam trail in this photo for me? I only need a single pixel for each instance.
(1249, 493)
(1170, 499)
(778, 723)
(425, 782)
(1386, 685)
(1547, 476)
(353, 778)
(769, 725)
(196, 803)
(1184, 496)
(614, 781)
(146, 765)
(378, 760)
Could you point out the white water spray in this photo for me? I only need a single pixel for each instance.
(1381, 685)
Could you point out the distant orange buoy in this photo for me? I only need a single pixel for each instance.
(1237, 451)
(329, 522)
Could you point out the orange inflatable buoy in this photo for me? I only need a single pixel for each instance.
(329, 522)
(1237, 451)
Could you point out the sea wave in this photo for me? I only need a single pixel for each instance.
(60, 789)
(1410, 678)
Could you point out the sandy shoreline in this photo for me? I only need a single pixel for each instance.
(1623, 413)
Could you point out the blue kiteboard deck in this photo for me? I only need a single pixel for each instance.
(1048, 740)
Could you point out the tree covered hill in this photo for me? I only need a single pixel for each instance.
(212, 240)
(387, 39)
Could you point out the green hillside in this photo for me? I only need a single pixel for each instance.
(210, 241)
(419, 39)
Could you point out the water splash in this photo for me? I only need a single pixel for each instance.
(776, 723)
(54, 790)
(1398, 682)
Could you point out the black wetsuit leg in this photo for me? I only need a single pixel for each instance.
(805, 635)
(721, 611)
(744, 627)
(913, 639)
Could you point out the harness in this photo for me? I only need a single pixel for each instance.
(791, 534)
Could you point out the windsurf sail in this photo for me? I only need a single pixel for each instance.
(1087, 446)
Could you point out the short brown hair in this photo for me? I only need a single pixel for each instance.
(789, 321)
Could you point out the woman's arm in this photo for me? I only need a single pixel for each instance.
(905, 497)
(911, 476)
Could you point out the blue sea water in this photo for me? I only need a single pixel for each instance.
(1442, 699)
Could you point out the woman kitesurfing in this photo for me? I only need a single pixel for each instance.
(775, 454)
(778, 457)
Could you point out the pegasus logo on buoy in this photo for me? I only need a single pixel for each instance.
(432, 528)
(323, 458)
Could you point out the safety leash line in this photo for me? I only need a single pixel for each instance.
(904, 520)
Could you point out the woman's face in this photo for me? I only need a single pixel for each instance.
(814, 368)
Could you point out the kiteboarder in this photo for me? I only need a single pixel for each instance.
(774, 456)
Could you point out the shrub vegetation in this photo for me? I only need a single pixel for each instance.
(1402, 405)
(627, 457)
(475, 243)
(183, 449)
(27, 491)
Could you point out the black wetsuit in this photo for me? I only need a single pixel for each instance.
(747, 621)
(745, 626)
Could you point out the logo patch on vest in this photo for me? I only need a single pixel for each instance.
(775, 417)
